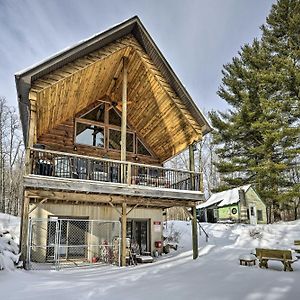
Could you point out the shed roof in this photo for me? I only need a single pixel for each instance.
(26, 78)
(225, 198)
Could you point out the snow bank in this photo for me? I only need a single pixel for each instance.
(215, 275)
(9, 236)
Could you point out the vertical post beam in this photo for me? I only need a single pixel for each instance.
(24, 227)
(32, 139)
(32, 132)
(194, 219)
(192, 166)
(195, 233)
(123, 234)
(124, 109)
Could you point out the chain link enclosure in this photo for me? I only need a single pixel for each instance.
(59, 242)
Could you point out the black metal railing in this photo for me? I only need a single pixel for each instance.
(65, 165)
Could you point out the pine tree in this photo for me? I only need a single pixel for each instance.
(258, 137)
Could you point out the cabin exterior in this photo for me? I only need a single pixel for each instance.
(241, 204)
(99, 121)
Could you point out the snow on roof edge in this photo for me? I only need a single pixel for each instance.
(224, 198)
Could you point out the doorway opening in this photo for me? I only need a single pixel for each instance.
(138, 232)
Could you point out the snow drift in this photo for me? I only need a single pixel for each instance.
(9, 233)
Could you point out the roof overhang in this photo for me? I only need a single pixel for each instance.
(25, 78)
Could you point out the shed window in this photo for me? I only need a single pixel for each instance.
(259, 215)
(90, 135)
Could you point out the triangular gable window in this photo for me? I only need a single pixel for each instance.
(141, 149)
(96, 114)
(114, 117)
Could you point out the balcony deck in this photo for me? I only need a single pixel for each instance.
(71, 173)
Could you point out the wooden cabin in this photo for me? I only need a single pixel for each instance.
(99, 120)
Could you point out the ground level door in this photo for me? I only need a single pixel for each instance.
(252, 214)
(138, 232)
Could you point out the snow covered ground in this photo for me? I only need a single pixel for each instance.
(216, 274)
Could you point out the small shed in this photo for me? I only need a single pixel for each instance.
(240, 204)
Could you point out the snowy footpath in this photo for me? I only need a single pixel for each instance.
(216, 274)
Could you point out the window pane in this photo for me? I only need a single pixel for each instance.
(259, 215)
(141, 149)
(114, 118)
(97, 114)
(129, 142)
(114, 139)
(89, 135)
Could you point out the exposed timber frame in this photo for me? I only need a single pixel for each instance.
(32, 138)
(124, 109)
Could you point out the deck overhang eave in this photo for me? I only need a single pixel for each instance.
(70, 185)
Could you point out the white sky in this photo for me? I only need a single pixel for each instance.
(196, 37)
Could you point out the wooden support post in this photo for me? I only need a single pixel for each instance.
(124, 110)
(24, 227)
(192, 165)
(37, 205)
(123, 234)
(32, 134)
(129, 173)
(193, 212)
(195, 233)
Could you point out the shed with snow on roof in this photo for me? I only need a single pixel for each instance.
(240, 204)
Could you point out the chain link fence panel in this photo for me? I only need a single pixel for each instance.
(60, 242)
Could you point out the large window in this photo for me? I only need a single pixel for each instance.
(114, 118)
(115, 140)
(90, 135)
(101, 127)
(141, 149)
(96, 114)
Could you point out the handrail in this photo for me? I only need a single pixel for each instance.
(111, 160)
(68, 165)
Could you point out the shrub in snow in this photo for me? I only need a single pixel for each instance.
(171, 238)
(255, 233)
(9, 250)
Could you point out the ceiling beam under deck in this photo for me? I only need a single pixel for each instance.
(106, 188)
(96, 199)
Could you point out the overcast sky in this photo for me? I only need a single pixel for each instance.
(196, 37)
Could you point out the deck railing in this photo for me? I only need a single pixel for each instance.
(65, 165)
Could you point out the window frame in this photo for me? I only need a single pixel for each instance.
(259, 213)
(93, 123)
(107, 126)
(116, 128)
(136, 149)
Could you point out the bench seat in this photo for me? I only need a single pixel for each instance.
(285, 256)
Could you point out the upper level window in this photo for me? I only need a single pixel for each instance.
(90, 135)
(96, 114)
(141, 149)
(114, 117)
(115, 140)
(101, 127)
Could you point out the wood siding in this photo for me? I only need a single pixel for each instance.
(154, 109)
